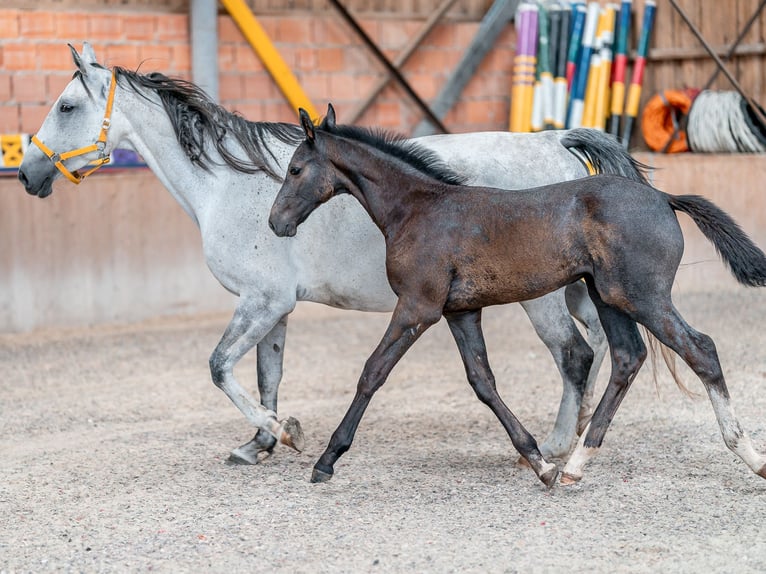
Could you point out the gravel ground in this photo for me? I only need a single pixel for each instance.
(114, 446)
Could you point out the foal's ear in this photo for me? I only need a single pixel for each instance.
(78, 61)
(307, 124)
(88, 53)
(329, 119)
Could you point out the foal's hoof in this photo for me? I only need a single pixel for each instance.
(569, 479)
(318, 475)
(292, 434)
(549, 477)
(249, 453)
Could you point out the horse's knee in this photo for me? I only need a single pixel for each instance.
(217, 364)
(626, 363)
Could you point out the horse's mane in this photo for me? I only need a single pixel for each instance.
(196, 119)
(398, 146)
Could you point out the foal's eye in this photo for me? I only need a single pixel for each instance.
(295, 170)
(65, 108)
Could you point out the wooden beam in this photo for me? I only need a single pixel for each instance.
(497, 17)
(695, 53)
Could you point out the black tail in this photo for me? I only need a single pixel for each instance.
(744, 258)
(602, 153)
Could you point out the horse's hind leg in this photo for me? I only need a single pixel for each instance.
(581, 307)
(466, 328)
(699, 352)
(270, 353)
(628, 353)
(251, 322)
(553, 324)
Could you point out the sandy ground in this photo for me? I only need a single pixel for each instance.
(113, 447)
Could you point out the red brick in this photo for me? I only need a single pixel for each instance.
(28, 88)
(342, 87)
(280, 112)
(172, 28)
(330, 60)
(228, 31)
(393, 35)
(72, 27)
(9, 24)
(19, 56)
(305, 59)
(465, 32)
(260, 87)
(10, 122)
(293, 30)
(388, 114)
(442, 36)
(269, 25)
(425, 85)
(230, 88)
(37, 24)
(496, 61)
(54, 57)
(330, 32)
(155, 58)
(484, 112)
(227, 60)
(5, 86)
(316, 86)
(181, 59)
(251, 112)
(372, 28)
(365, 83)
(32, 116)
(247, 59)
(55, 84)
(125, 55)
(139, 26)
(105, 26)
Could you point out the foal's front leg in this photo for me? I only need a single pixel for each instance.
(406, 326)
(466, 328)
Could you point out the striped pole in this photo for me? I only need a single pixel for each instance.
(575, 41)
(620, 65)
(522, 91)
(542, 111)
(605, 71)
(594, 75)
(577, 98)
(637, 79)
(560, 92)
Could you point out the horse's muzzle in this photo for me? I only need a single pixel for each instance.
(282, 229)
(43, 190)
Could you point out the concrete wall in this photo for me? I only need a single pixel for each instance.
(118, 248)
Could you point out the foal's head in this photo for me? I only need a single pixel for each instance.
(310, 180)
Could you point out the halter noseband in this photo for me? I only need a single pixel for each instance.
(58, 159)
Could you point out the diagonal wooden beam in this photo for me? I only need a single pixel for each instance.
(497, 17)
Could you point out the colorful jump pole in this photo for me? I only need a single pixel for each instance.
(542, 109)
(637, 79)
(577, 96)
(575, 41)
(560, 92)
(524, 64)
(605, 71)
(619, 67)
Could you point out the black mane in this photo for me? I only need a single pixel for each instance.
(197, 119)
(397, 145)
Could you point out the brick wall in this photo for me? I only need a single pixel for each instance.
(329, 62)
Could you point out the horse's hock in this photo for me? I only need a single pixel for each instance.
(120, 249)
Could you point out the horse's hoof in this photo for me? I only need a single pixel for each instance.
(549, 477)
(762, 472)
(318, 476)
(569, 479)
(293, 434)
(249, 453)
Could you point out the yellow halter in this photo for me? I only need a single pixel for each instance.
(59, 159)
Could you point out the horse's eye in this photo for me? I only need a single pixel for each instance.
(66, 108)
(295, 170)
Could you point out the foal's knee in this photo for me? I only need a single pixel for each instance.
(626, 363)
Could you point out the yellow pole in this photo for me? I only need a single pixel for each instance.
(269, 55)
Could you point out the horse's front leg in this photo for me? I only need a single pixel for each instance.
(573, 356)
(270, 353)
(406, 326)
(466, 329)
(252, 321)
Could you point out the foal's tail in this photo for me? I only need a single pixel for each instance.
(602, 153)
(744, 258)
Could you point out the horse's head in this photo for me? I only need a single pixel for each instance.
(73, 135)
(311, 179)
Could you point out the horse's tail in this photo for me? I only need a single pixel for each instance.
(602, 153)
(744, 258)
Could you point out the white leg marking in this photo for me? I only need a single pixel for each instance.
(735, 438)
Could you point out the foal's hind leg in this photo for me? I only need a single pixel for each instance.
(270, 354)
(581, 307)
(628, 354)
(573, 357)
(699, 352)
(466, 328)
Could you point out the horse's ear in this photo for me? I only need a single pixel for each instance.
(78, 61)
(88, 53)
(329, 119)
(307, 124)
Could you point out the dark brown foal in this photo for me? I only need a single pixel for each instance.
(452, 250)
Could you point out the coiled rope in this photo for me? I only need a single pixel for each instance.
(722, 122)
(663, 121)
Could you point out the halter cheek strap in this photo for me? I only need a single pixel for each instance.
(58, 159)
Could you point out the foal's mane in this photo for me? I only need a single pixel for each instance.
(398, 146)
(196, 119)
